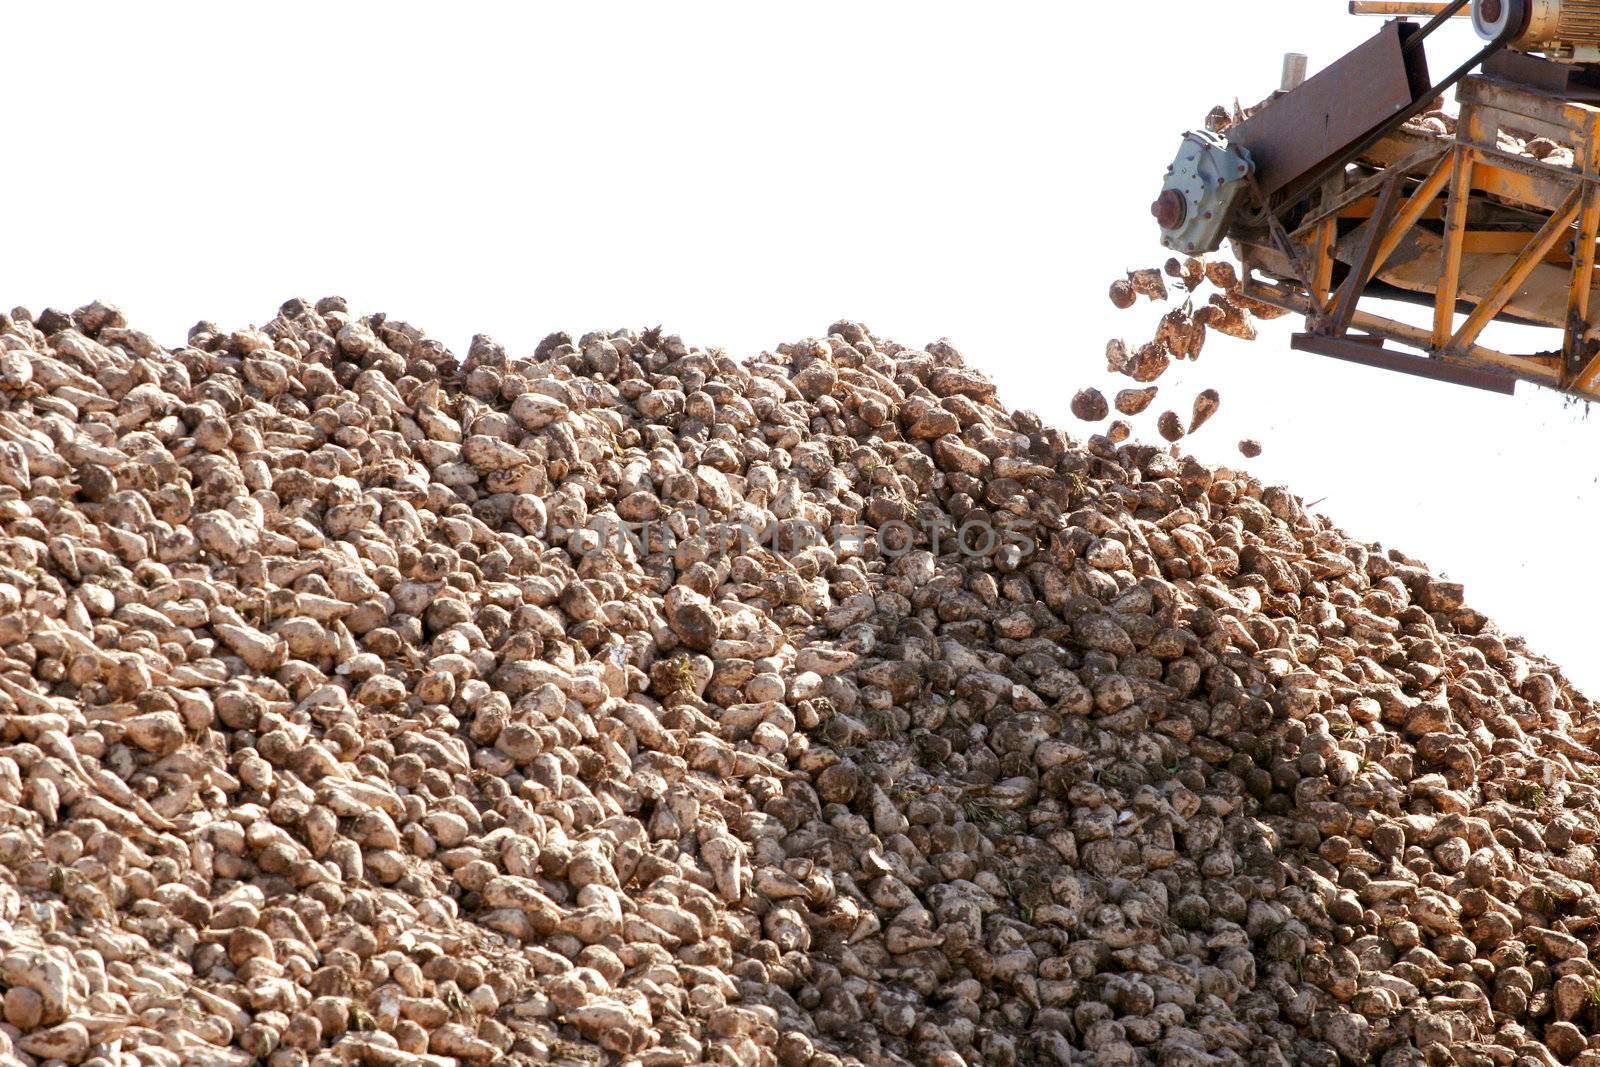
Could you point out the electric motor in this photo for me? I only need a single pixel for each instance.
(1562, 29)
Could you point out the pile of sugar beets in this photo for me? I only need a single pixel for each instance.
(629, 704)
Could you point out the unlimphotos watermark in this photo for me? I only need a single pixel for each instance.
(892, 539)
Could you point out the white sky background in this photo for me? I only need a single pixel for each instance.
(745, 174)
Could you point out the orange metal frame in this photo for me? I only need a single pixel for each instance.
(1471, 168)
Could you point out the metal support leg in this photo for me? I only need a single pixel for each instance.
(1361, 270)
(1455, 226)
(1578, 350)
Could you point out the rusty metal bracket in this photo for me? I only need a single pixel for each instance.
(1371, 355)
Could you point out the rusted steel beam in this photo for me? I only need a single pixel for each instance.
(1388, 359)
(1394, 8)
(1577, 349)
(1455, 224)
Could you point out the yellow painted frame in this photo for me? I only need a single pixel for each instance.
(1470, 169)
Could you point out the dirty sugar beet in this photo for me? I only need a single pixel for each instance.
(335, 728)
